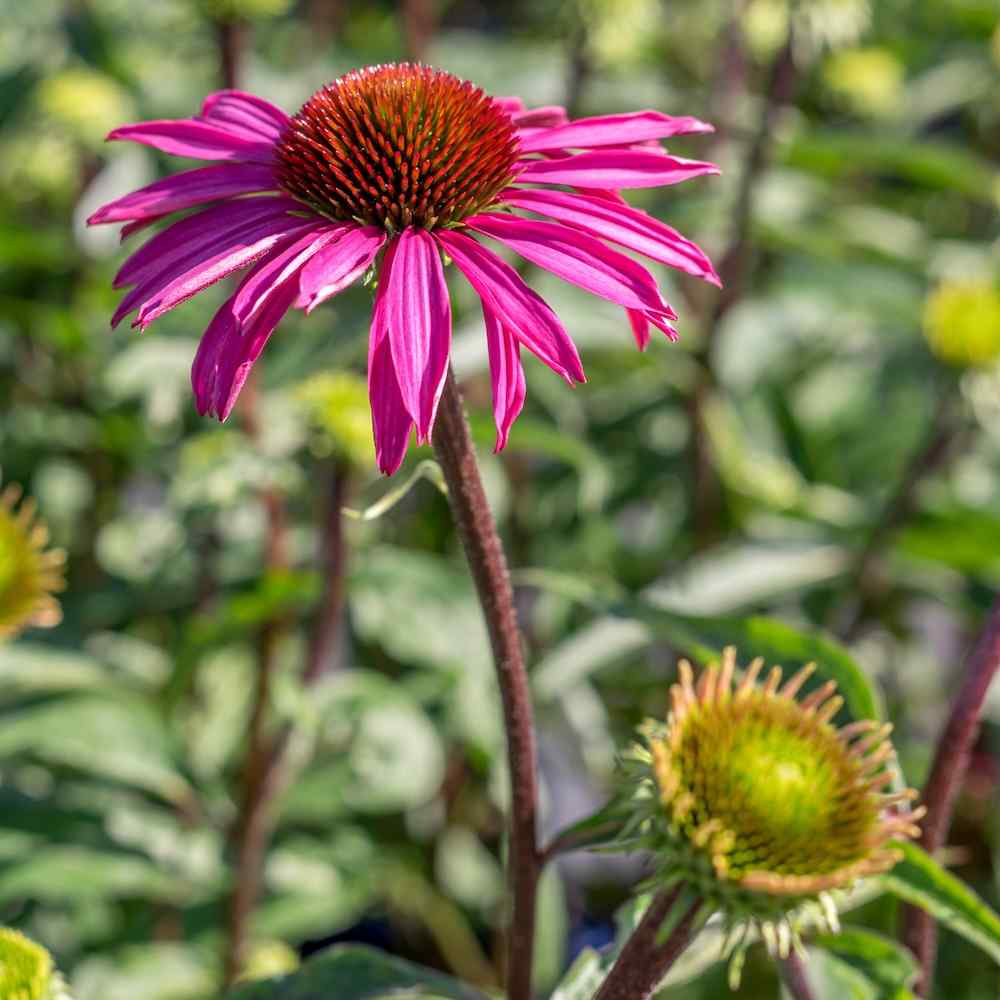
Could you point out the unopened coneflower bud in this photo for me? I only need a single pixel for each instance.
(752, 797)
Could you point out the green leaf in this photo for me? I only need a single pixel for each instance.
(353, 972)
(705, 638)
(920, 880)
(885, 963)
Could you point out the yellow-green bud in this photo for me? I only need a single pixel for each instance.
(29, 572)
(962, 323)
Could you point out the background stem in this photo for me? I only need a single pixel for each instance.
(951, 761)
(644, 961)
(485, 555)
(793, 975)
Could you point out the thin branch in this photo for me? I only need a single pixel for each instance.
(645, 959)
(935, 449)
(333, 566)
(484, 552)
(793, 975)
(951, 762)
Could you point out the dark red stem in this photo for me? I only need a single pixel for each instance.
(484, 552)
(951, 761)
(645, 960)
(793, 975)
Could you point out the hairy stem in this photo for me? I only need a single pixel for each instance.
(645, 959)
(951, 761)
(484, 552)
(793, 975)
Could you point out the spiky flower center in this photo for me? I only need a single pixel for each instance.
(398, 145)
(762, 786)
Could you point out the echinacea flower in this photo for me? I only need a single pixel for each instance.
(393, 168)
(30, 573)
(753, 799)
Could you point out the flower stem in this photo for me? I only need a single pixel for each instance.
(484, 552)
(645, 959)
(793, 975)
(951, 761)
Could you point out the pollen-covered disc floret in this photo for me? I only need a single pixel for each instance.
(758, 801)
(396, 146)
(29, 572)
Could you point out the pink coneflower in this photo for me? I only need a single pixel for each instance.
(395, 167)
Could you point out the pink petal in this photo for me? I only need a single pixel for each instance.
(640, 327)
(417, 316)
(511, 105)
(245, 114)
(279, 266)
(614, 220)
(241, 328)
(577, 258)
(164, 284)
(197, 139)
(612, 130)
(336, 266)
(206, 227)
(618, 168)
(546, 117)
(204, 371)
(191, 187)
(391, 421)
(169, 289)
(525, 313)
(506, 374)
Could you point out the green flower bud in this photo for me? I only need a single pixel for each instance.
(755, 800)
(962, 323)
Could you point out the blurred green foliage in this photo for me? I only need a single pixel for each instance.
(123, 732)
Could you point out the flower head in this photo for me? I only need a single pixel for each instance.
(392, 170)
(756, 800)
(29, 573)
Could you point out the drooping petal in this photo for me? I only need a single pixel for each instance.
(612, 130)
(186, 189)
(204, 370)
(197, 139)
(206, 227)
(620, 223)
(336, 266)
(525, 313)
(391, 421)
(506, 375)
(280, 265)
(577, 258)
(176, 283)
(238, 111)
(242, 326)
(640, 327)
(614, 168)
(418, 319)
